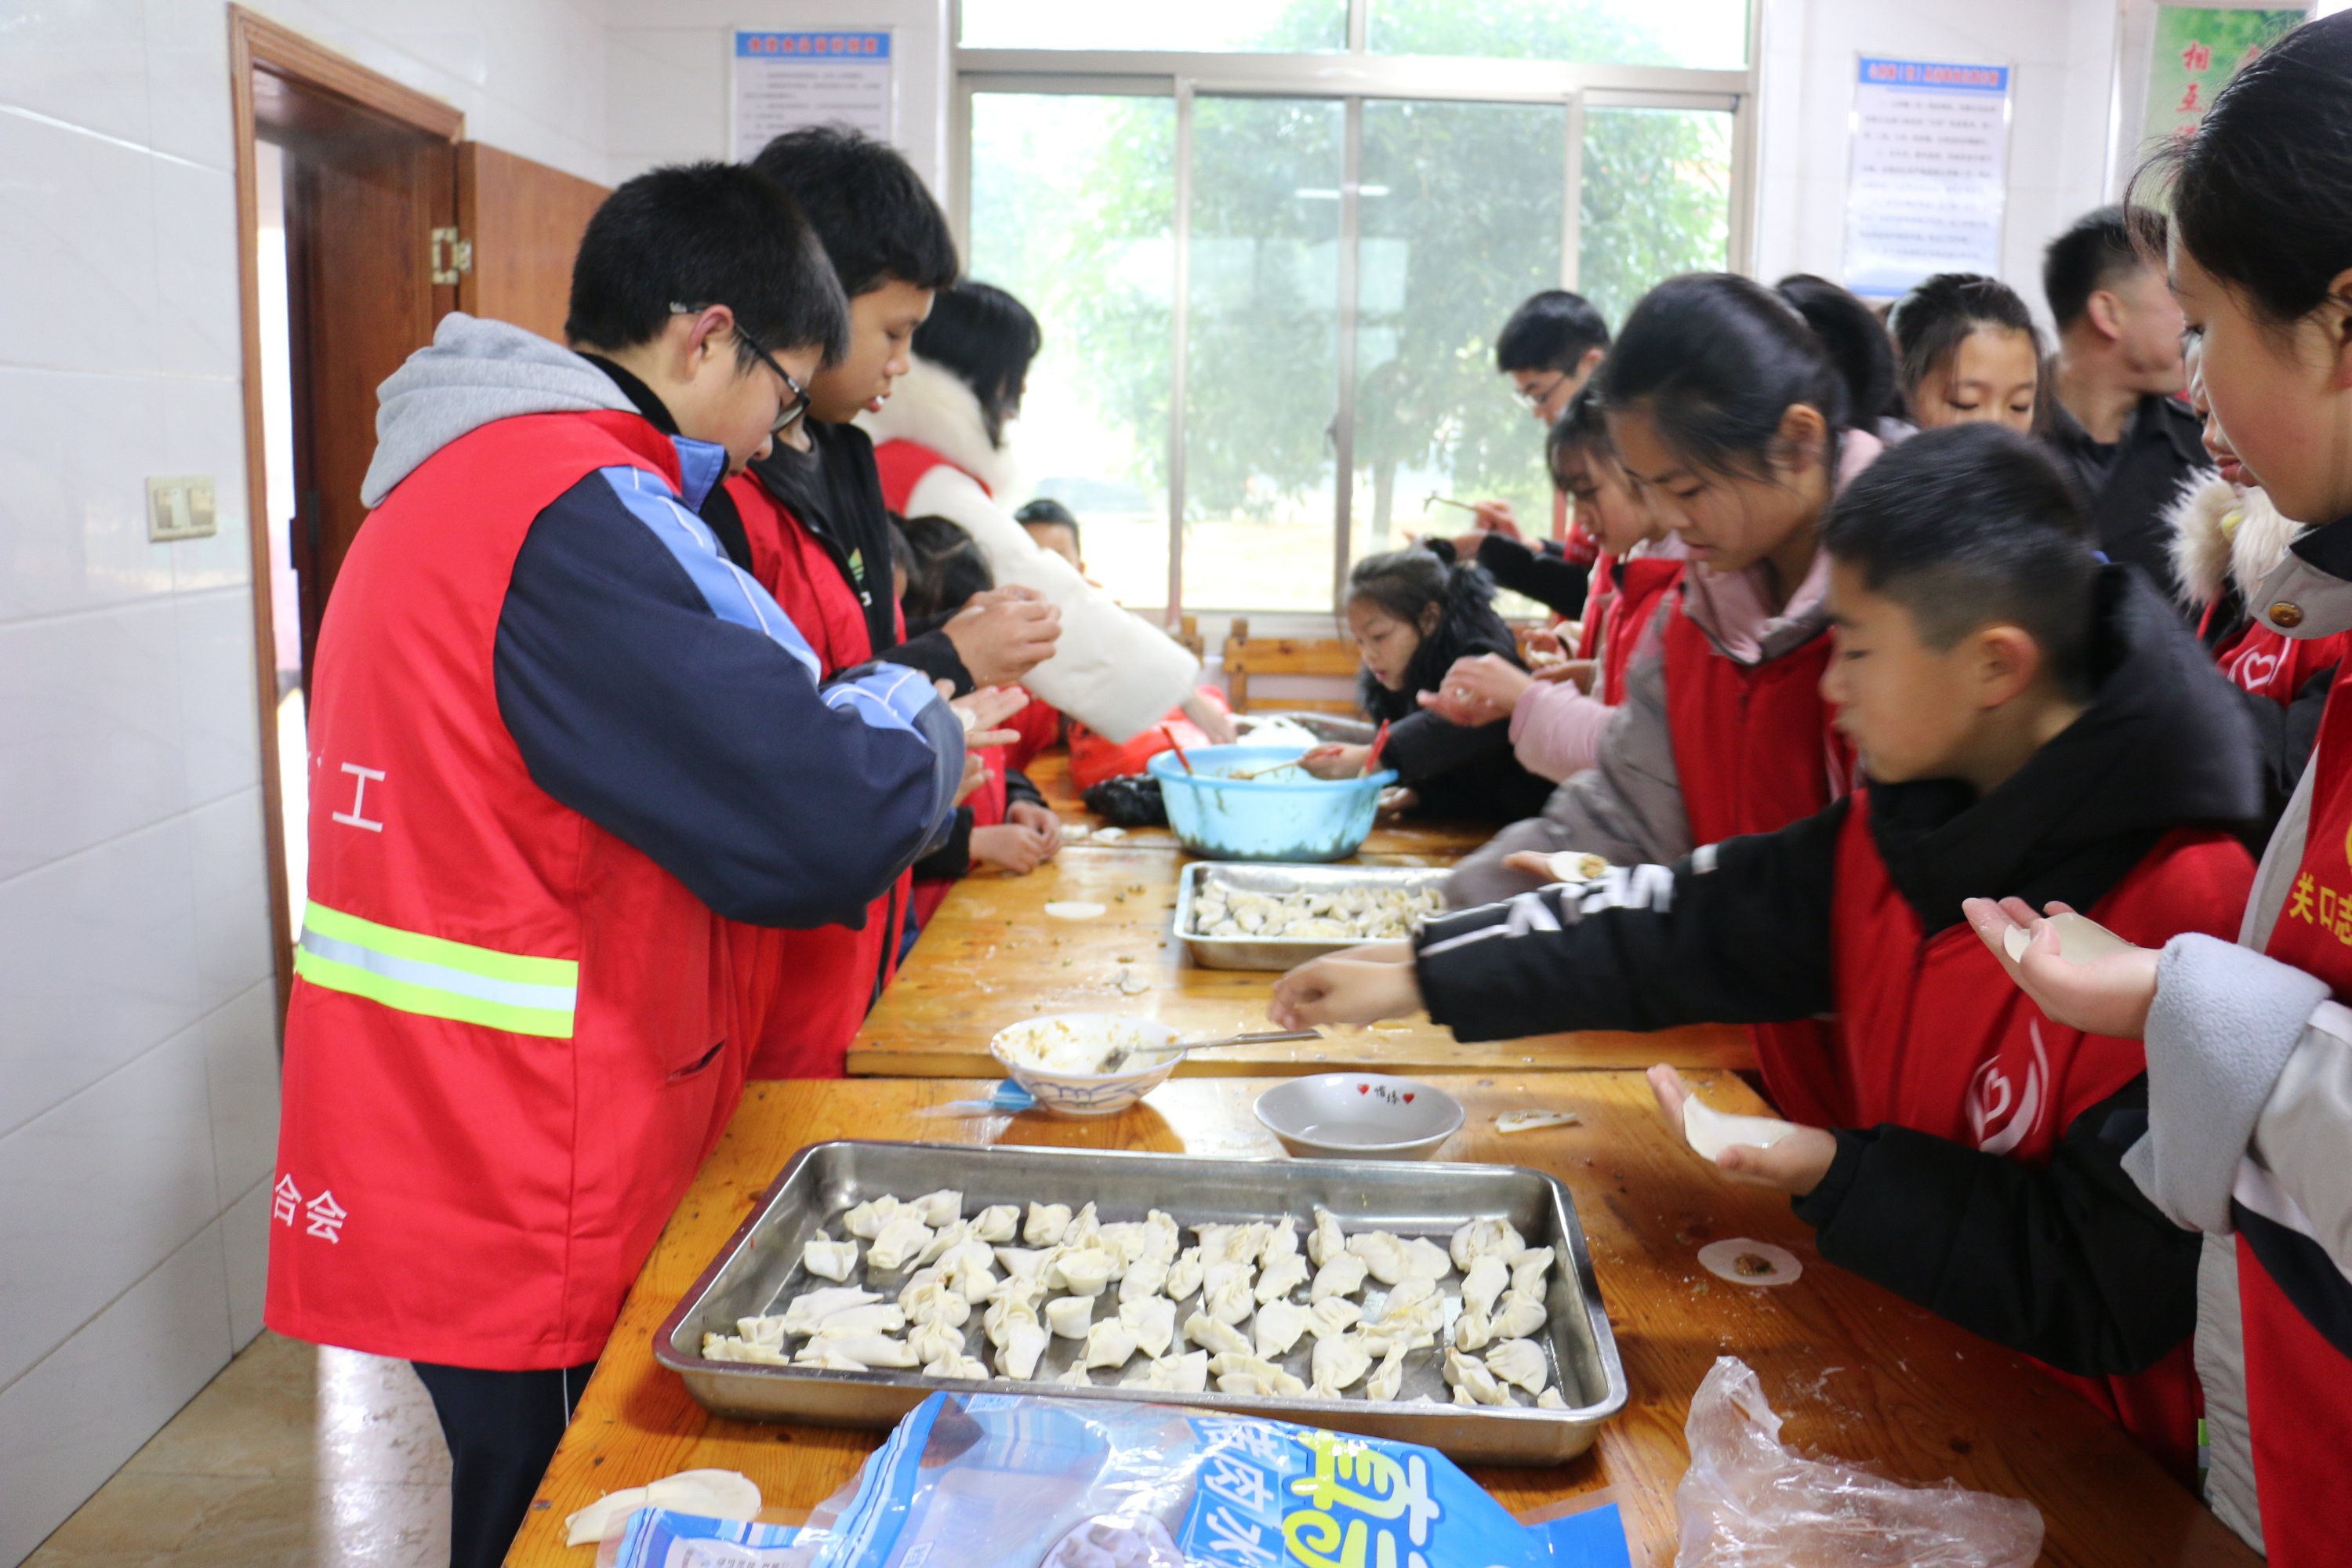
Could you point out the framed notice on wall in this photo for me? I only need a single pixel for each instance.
(783, 81)
(1928, 179)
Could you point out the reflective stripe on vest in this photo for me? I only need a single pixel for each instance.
(439, 979)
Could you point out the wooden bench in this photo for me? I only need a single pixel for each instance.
(1315, 657)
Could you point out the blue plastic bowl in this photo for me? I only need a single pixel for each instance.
(1286, 816)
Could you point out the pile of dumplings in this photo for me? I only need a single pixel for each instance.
(986, 1295)
(1358, 913)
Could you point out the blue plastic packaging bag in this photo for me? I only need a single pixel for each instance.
(1024, 1479)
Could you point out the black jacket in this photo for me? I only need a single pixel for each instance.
(1541, 572)
(2130, 487)
(2068, 1262)
(1462, 774)
(837, 493)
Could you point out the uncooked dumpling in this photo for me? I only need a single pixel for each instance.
(811, 1308)
(1278, 1326)
(997, 1223)
(1152, 1322)
(1485, 1238)
(1338, 1362)
(1470, 1377)
(929, 1298)
(1253, 1375)
(1521, 1362)
(1527, 1270)
(898, 1242)
(829, 1260)
(1327, 1240)
(930, 1342)
(1085, 1272)
(1519, 1315)
(1424, 1259)
(942, 1207)
(1382, 1253)
(1048, 1222)
(1342, 1276)
(1184, 1274)
(1333, 1315)
(956, 1364)
(713, 1494)
(865, 1350)
(1003, 1314)
(866, 1221)
(1017, 1353)
(1210, 1334)
(1711, 1132)
(1070, 1316)
(1110, 1343)
(1484, 1285)
(1171, 1375)
(1284, 1274)
(1388, 1377)
(1230, 1301)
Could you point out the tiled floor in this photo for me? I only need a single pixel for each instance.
(293, 1456)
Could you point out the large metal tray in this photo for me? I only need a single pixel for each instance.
(760, 1269)
(1279, 953)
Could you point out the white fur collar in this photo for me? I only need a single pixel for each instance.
(2207, 556)
(932, 408)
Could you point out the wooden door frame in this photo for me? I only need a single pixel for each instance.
(257, 43)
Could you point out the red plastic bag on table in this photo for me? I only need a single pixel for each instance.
(1094, 759)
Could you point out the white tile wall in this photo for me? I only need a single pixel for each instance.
(138, 1033)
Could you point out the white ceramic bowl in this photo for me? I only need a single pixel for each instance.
(1359, 1116)
(1079, 1093)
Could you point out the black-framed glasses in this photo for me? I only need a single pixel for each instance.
(798, 402)
(1533, 399)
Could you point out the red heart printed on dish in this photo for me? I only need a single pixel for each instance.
(1408, 1099)
(1363, 1088)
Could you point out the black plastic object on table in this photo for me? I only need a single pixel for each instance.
(1132, 801)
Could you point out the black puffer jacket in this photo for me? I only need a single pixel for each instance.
(1461, 774)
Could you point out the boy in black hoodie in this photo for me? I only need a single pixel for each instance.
(2027, 718)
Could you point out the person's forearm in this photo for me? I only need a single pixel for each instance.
(1555, 729)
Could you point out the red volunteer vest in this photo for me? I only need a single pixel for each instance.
(1754, 752)
(1632, 607)
(2260, 660)
(812, 987)
(903, 464)
(2298, 1387)
(1602, 595)
(506, 1046)
(1927, 1036)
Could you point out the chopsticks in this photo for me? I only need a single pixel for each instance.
(1372, 757)
(1172, 740)
(1433, 498)
(1261, 773)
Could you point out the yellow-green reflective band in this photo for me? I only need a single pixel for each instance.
(436, 977)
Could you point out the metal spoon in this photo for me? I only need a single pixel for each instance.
(1114, 1063)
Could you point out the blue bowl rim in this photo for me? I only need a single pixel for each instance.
(1175, 770)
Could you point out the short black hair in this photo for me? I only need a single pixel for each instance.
(1938, 314)
(2263, 188)
(1970, 525)
(1550, 330)
(1717, 361)
(947, 567)
(1581, 429)
(875, 216)
(988, 339)
(1045, 511)
(1856, 340)
(699, 235)
(2096, 250)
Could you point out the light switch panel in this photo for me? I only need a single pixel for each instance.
(180, 506)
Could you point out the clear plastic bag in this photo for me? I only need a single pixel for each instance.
(1749, 1502)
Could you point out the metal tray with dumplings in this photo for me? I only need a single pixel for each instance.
(760, 1269)
(1278, 953)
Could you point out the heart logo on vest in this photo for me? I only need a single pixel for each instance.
(2001, 1113)
(2253, 670)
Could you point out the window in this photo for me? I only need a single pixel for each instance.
(1270, 280)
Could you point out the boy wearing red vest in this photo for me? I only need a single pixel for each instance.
(2026, 718)
(810, 516)
(560, 742)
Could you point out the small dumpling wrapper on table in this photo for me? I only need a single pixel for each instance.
(713, 1494)
(1511, 1122)
(1076, 910)
(1744, 1262)
(1711, 1132)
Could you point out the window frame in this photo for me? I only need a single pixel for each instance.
(1351, 79)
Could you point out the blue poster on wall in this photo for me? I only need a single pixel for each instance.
(828, 76)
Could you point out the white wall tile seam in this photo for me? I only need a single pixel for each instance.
(26, 1123)
(122, 373)
(163, 1262)
(37, 117)
(113, 839)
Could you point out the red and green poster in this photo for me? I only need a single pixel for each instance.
(2197, 50)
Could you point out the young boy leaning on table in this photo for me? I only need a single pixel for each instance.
(2029, 719)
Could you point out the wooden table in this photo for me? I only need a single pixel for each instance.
(992, 956)
(1856, 1373)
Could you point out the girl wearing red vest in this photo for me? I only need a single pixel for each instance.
(1730, 414)
(2024, 713)
(2250, 1045)
(1555, 719)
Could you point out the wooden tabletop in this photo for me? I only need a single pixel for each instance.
(1855, 1371)
(992, 956)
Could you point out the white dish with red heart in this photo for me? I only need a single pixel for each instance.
(1359, 1116)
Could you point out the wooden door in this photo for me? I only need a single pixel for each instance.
(522, 222)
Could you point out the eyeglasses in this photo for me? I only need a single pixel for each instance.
(797, 402)
(1533, 399)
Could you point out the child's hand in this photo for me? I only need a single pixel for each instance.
(1010, 847)
(2108, 996)
(975, 774)
(1794, 1165)
(1546, 646)
(1003, 634)
(1335, 761)
(1578, 672)
(1497, 517)
(1211, 720)
(983, 710)
(1039, 819)
(1361, 986)
(1478, 690)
